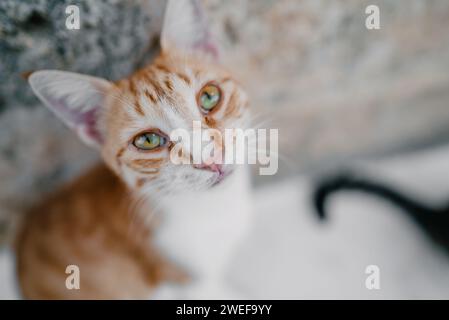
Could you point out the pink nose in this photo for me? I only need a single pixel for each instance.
(214, 167)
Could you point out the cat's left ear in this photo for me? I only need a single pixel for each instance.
(186, 29)
(75, 98)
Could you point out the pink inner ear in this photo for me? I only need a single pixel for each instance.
(209, 48)
(206, 44)
(89, 121)
(78, 120)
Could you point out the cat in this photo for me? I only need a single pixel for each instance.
(138, 226)
(434, 220)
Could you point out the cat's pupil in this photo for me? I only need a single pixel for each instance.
(152, 139)
(210, 97)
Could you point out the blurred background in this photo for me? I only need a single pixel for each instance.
(340, 94)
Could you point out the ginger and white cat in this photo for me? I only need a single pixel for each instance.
(140, 226)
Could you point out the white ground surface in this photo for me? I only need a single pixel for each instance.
(289, 255)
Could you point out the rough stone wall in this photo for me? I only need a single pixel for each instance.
(334, 88)
(114, 38)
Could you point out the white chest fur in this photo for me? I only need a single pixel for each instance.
(200, 230)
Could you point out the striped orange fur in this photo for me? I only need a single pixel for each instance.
(95, 222)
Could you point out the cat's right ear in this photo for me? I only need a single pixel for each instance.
(76, 99)
(186, 29)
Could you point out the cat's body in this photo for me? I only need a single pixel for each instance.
(152, 214)
(86, 224)
(89, 224)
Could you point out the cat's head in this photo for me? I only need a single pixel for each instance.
(130, 121)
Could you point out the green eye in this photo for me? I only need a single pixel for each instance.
(149, 141)
(209, 97)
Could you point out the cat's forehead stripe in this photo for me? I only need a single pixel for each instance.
(158, 89)
(184, 77)
(137, 106)
(162, 68)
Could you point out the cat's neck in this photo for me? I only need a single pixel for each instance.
(198, 229)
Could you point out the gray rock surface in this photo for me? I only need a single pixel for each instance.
(113, 40)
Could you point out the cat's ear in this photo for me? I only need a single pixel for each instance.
(76, 99)
(186, 29)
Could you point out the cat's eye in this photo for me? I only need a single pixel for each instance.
(149, 141)
(209, 97)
